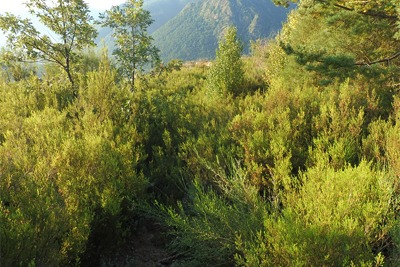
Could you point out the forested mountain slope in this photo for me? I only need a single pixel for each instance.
(161, 12)
(195, 31)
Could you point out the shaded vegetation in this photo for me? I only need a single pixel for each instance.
(294, 162)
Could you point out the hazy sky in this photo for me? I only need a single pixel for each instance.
(16, 5)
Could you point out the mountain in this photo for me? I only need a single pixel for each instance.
(195, 31)
(161, 11)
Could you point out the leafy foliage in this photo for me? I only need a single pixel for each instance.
(361, 39)
(129, 25)
(226, 72)
(303, 172)
(68, 20)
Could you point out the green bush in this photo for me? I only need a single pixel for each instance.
(69, 171)
(335, 218)
(314, 180)
(226, 73)
(207, 224)
(176, 120)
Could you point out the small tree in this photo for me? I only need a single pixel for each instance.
(226, 72)
(129, 25)
(69, 20)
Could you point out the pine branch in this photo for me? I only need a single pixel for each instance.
(378, 61)
(381, 15)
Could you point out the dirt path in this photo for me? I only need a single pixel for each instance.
(146, 248)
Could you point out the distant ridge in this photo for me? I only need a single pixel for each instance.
(161, 12)
(195, 31)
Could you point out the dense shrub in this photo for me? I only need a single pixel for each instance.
(208, 224)
(290, 157)
(66, 172)
(177, 122)
(226, 73)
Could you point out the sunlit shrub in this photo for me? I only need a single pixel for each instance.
(226, 73)
(68, 173)
(335, 218)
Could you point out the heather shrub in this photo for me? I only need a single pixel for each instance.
(335, 218)
(382, 144)
(35, 207)
(393, 140)
(68, 171)
(207, 223)
(177, 121)
(274, 130)
(292, 124)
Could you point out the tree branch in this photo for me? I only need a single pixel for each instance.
(381, 15)
(51, 57)
(73, 38)
(41, 38)
(378, 61)
(56, 25)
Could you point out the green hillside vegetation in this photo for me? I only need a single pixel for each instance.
(195, 31)
(161, 12)
(164, 10)
(190, 30)
(287, 157)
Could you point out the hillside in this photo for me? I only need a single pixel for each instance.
(195, 31)
(161, 12)
(287, 157)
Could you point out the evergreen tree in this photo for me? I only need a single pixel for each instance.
(339, 39)
(226, 72)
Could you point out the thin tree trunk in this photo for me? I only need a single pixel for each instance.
(134, 64)
(68, 70)
(133, 78)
